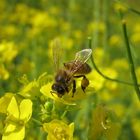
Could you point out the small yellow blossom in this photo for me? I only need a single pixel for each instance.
(136, 127)
(65, 26)
(17, 116)
(8, 51)
(4, 74)
(96, 26)
(38, 20)
(96, 80)
(104, 124)
(4, 102)
(115, 40)
(10, 30)
(136, 28)
(121, 110)
(58, 130)
(111, 85)
(120, 64)
(110, 72)
(67, 43)
(98, 55)
(119, 6)
(135, 38)
(106, 96)
(78, 34)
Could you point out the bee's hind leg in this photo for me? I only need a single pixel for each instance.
(84, 82)
(74, 88)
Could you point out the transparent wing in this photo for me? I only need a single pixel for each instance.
(56, 53)
(80, 58)
(83, 56)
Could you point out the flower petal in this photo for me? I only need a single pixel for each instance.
(25, 110)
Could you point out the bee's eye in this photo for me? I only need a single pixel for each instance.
(54, 87)
(58, 88)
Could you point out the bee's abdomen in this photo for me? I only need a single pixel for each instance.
(84, 69)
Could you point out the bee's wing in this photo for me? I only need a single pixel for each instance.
(56, 53)
(83, 55)
(80, 58)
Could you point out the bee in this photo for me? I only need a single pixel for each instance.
(65, 77)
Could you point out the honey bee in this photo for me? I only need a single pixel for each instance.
(65, 77)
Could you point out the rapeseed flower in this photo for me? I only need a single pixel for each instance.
(96, 26)
(58, 130)
(115, 40)
(38, 20)
(4, 74)
(135, 38)
(8, 51)
(17, 115)
(104, 123)
(118, 6)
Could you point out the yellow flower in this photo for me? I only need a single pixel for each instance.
(10, 30)
(66, 99)
(115, 40)
(104, 124)
(38, 20)
(96, 81)
(65, 26)
(98, 55)
(106, 95)
(4, 102)
(136, 27)
(110, 72)
(67, 43)
(119, 6)
(17, 117)
(78, 34)
(120, 64)
(96, 26)
(31, 89)
(4, 74)
(135, 38)
(120, 109)
(58, 130)
(135, 127)
(8, 51)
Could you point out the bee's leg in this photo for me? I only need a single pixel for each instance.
(74, 88)
(84, 82)
(52, 93)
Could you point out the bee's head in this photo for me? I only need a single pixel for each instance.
(59, 89)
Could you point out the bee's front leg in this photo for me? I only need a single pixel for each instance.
(74, 88)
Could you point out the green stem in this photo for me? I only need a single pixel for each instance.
(134, 11)
(37, 122)
(103, 75)
(130, 58)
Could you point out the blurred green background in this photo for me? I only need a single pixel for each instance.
(27, 28)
